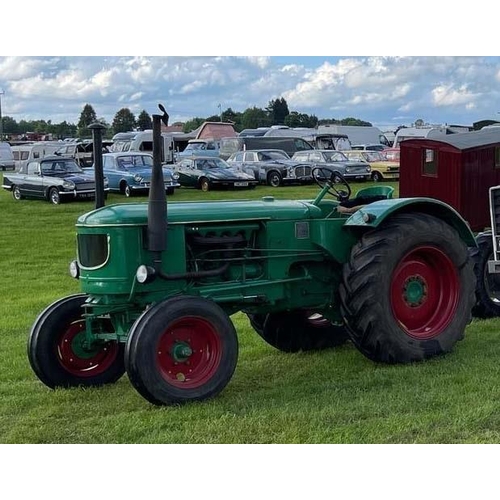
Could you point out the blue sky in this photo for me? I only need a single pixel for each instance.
(385, 90)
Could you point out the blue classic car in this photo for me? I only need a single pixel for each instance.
(208, 173)
(52, 178)
(130, 172)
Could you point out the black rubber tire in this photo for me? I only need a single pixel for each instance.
(128, 191)
(377, 177)
(294, 331)
(149, 356)
(16, 193)
(170, 191)
(257, 322)
(375, 263)
(487, 284)
(46, 357)
(204, 184)
(274, 179)
(54, 197)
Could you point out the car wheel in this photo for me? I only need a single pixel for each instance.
(16, 193)
(205, 185)
(274, 179)
(376, 177)
(54, 197)
(170, 191)
(127, 191)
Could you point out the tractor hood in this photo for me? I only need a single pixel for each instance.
(198, 212)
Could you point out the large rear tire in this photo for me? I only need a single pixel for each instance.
(182, 349)
(57, 352)
(408, 290)
(298, 331)
(487, 284)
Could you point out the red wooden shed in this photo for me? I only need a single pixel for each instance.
(458, 169)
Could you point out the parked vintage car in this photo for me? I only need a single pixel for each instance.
(272, 167)
(130, 172)
(211, 173)
(52, 178)
(392, 154)
(368, 147)
(328, 159)
(381, 168)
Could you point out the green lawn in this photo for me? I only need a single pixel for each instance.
(334, 396)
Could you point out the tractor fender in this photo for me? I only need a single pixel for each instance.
(372, 215)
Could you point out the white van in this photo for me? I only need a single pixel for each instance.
(6, 157)
(143, 141)
(418, 132)
(24, 153)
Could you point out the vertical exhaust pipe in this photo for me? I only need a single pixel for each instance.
(157, 204)
(97, 129)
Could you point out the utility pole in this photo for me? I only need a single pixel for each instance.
(220, 111)
(1, 120)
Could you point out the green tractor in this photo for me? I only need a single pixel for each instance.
(159, 285)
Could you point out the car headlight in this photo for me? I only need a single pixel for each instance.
(368, 168)
(137, 178)
(347, 170)
(106, 183)
(68, 185)
(175, 176)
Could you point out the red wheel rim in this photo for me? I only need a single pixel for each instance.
(81, 362)
(189, 352)
(425, 289)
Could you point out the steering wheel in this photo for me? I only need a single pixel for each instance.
(326, 177)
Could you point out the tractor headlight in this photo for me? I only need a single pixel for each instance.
(74, 269)
(68, 185)
(145, 274)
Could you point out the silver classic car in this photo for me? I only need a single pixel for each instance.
(52, 178)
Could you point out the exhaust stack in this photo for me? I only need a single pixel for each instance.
(97, 129)
(157, 204)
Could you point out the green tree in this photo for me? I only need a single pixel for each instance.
(124, 121)
(87, 117)
(278, 111)
(10, 125)
(295, 119)
(144, 121)
(255, 117)
(192, 124)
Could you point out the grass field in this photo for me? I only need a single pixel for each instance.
(334, 396)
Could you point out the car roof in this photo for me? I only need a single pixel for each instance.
(127, 153)
(56, 157)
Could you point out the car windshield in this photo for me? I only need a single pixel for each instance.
(334, 156)
(210, 163)
(130, 162)
(392, 155)
(272, 155)
(373, 156)
(59, 167)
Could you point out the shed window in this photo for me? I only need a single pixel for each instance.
(497, 157)
(429, 162)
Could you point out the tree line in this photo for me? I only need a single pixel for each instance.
(276, 113)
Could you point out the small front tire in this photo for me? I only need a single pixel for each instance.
(205, 185)
(16, 193)
(274, 179)
(54, 196)
(57, 352)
